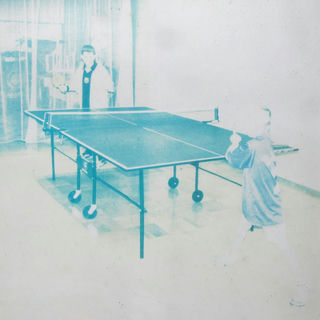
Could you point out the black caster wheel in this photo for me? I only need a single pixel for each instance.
(197, 196)
(89, 212)
(173, 182)
(74, 197)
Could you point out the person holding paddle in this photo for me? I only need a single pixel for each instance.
(91, 83)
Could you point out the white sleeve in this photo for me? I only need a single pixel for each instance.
(108, 83)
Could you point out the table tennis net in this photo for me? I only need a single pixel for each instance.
(61, 120)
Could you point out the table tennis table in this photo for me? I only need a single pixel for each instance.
(133, 139)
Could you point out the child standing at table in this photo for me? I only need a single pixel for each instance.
(261, 200)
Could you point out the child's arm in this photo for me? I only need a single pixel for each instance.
(238, 154)
(235, 140)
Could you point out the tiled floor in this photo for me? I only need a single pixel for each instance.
(54, 264)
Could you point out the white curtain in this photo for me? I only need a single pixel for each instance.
(42, 38)
(123, 58)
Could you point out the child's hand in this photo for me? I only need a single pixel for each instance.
(59, 82)
(63, 88)
(235, 139)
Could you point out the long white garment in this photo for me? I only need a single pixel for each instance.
(261, 200)
(101, 85)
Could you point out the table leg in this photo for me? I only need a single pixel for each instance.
(197, 195)
(52, 155)
(142, 211)
(75, 196)
(94, 179)
(173, 181)
(196, 176)
(90, 212)
(79, 162)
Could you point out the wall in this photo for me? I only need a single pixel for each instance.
(232, 55)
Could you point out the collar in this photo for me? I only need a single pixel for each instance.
(92, 67)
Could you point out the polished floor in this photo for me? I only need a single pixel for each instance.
(54, 264)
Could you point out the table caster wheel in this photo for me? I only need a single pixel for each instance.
(173, 182)
(90, 212)
(197, 195)
(74, 196)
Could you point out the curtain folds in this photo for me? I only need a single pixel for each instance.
(42, 40)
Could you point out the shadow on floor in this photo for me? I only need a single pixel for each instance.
(117, 214)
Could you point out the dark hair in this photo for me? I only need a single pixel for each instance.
(88, 48)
